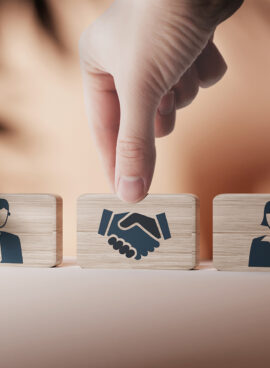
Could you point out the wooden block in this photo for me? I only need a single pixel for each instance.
(161, 232)
(30, 230)
(241, 232)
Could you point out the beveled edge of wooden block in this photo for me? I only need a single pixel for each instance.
(59, 229)
(193, 197)
(224, 195)
(198, 228)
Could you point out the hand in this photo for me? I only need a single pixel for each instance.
(134, 234)
(135, 240)
(141, 61)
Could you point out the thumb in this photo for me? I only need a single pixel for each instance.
(135, 150)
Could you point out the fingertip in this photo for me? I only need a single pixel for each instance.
(131, 189)
(187, 88)
(213, 79)
(165, 117)
(211, 66)
(167, 104)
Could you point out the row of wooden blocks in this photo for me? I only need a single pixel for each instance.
(161, 232)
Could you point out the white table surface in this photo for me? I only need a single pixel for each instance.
(69, 317)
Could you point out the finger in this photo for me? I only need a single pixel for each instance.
(214, 12)
(135, 153)
(210, 65)
(121, 247)
(103, 112)
(112, 240)
(131, 253)
(165, 116)
(187, 88)
(115, 243)
(228, 7)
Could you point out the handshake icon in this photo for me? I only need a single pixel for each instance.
(133, 234)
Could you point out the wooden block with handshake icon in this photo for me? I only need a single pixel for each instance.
(161, 232)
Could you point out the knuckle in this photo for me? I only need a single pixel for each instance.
(135, 148)
(216, 11)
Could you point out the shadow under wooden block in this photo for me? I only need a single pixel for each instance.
(241, 232)
(161, 232)
(30, 230)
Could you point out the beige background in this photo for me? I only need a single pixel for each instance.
(220, 144)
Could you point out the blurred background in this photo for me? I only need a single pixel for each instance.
(221, 142)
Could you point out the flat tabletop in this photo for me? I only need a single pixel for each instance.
(73, 317)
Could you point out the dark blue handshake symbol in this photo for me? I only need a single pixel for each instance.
(134, 234)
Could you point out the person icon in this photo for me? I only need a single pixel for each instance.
(260, 247)
(11, 250)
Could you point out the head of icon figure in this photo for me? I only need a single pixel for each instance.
(266, 216)
(4, 212)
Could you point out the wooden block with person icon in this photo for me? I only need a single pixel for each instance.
(241, 232)
(30, 230)
(161, 232)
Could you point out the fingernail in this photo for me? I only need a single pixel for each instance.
(167, 104)
(131, 188)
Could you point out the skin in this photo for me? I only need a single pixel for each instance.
(3, 217)
(141, 61)
(267, 237)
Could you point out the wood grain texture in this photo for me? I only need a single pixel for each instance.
(181, 251)
(37, 220)
(237, 221)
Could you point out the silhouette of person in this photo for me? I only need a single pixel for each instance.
(11, 250)
(260, 248)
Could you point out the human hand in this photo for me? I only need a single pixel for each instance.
(133, 234)
(141, 61)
